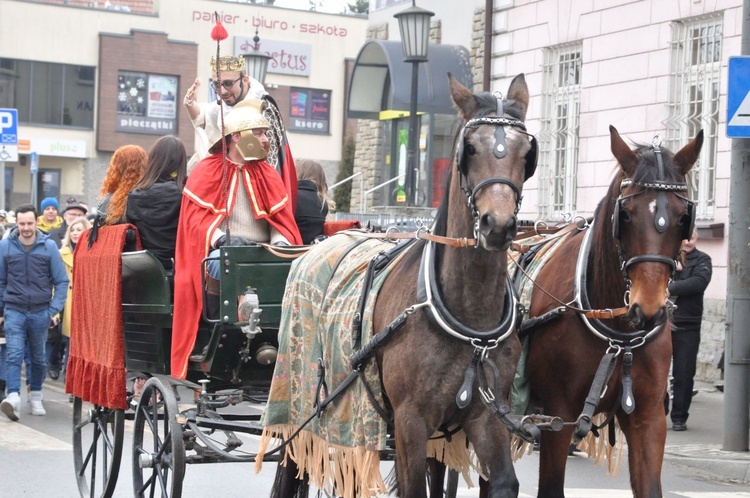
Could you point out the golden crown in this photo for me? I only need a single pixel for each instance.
(228, 63)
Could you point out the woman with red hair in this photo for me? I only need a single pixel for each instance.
(125, 170)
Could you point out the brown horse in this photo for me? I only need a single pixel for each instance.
(628, 254)
(467, 326)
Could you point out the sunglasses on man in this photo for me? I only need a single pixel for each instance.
(226, 84)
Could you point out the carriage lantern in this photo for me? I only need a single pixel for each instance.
(256, 62)
(414, 24)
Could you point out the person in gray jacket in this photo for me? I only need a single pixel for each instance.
(33, 289)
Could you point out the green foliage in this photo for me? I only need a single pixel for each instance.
(342, 196)
(359, 6)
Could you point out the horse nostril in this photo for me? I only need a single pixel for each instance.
(487, 223)
(636, 316)
(512, 227)
(660, 316)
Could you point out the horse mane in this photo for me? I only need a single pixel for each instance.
(487, 104)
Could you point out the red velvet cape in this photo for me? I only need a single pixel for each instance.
(204, 208)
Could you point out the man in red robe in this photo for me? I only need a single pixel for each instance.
(243, 193)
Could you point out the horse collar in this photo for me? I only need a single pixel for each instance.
(599, 329)
(429, 295)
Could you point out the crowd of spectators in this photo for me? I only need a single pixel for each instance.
(245, 179)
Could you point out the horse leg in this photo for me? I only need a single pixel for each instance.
(491, 443)
(411, 448)
(646, 433)
(286, 484)
(436, 477)
(553, 456)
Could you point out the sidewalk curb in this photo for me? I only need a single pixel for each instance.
(725, 469)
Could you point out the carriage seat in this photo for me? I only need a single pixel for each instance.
(146, 312)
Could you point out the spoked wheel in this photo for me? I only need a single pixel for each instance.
(158, 448)
(98, 435)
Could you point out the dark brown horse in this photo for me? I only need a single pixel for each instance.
(468, 321)
(628, 254)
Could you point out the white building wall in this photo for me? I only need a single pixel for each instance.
(456, 18)
(625, 83)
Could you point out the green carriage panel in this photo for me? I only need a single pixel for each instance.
(256, 267)
(146, 313)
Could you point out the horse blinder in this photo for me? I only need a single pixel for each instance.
(531, 159)
(687, 221)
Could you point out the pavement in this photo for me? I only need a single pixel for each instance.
(699, 448)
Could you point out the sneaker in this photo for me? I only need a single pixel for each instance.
(679, 426)
(35, 400)
(10, 405)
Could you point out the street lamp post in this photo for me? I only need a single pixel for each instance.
(256, 62)
(414, 24)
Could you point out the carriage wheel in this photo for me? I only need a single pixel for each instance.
(98, 435)
(158, 448)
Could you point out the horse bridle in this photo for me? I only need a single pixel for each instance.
(500, 150)
(661, 216)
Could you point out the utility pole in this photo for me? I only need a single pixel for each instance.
(737, 343)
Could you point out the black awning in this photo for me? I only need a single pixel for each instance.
(381, 80)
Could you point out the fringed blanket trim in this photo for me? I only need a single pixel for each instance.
(352, 472)
(355, 472)
(456, 454)
(597, 448)
(99, 384)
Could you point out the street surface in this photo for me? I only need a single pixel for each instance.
(36, 458)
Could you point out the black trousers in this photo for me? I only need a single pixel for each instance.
(685, 343)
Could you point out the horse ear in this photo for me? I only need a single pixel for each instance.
(626, 157)
(519, 92)
(687, 156)
(465, 101)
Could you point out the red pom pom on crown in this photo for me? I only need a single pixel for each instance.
(219, 32)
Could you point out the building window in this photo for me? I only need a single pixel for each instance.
(561, 98)
(146, 103)
(310, 110)
(694, 101)
(47, 93)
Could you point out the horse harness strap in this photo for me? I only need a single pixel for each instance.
(500, 150)
(613, 336)
(429, 295)
(596, 391)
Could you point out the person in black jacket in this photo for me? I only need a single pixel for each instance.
(154, 203)
(692, 277)
(312, 200)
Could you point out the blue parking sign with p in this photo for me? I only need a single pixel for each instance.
(8, 127)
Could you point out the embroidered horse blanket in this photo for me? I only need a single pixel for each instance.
(319, 307)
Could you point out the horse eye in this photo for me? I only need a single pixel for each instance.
(625, 216)
(470, 149)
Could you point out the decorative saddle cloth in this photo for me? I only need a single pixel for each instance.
(96, 364)
(316, 329)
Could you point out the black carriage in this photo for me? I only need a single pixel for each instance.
(234, 364)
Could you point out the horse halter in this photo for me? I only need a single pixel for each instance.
(500, 150)
(661, 216)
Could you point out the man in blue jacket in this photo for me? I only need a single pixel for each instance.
(30, 266)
